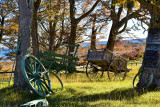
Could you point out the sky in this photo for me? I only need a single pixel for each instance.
(135, 33)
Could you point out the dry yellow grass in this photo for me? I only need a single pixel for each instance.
(6, 66)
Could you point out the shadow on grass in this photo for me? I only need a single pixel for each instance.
(117, 94)
(13, 97)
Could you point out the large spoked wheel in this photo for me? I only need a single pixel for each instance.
(36, 75)
(93, 72)
(117, 70)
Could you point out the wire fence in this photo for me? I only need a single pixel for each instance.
(135, 63)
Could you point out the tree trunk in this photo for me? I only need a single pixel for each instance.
(94, 31)
(151, 60)
(72, 38)
(93, 40)
(25, 22)
(111, 40)
(34, 31)
(75, 21)
(1, 29)
(52, 35)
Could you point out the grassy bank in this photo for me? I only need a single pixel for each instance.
(79, 91)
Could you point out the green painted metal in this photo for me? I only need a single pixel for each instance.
(36, 103)
(36, 76)
(59, 62)
(150, 81)
(57, 78)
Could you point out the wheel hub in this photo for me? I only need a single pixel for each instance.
(38, 75)
(95, 70)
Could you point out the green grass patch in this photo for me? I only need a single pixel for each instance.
(80, 92)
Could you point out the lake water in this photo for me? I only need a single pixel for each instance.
(2, 54)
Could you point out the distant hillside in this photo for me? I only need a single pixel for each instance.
(6, 50)
(105, 42)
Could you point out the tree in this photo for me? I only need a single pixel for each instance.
(54, 24)
(96, 22)
(151, 55)
(119, 20)
(8, 23)
(94, 31)
(34, 32)
(75, 21)
(25, 22)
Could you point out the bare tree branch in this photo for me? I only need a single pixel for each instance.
(87, 13)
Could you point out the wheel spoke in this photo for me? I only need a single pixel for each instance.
(119, 76)
(41, 88)
(35, 83)
(38, 87)
(29, 70)
(113, 76)
(29, 74)
(45, 84)
(43, 80)
(44, 87)
(98, 74)
(31, 79)
(111, 68)
(38, 68)
(35, 64)
(27, 62)
(31, 63)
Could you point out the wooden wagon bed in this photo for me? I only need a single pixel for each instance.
(100, 60)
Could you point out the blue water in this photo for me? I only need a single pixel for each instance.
(105, 42)
(3, 52)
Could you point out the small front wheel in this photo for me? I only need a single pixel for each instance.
(93, 72)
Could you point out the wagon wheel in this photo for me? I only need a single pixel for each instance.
(93, 72)
(36, 75)
(117, 70)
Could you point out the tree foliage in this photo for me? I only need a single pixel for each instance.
(61, 22)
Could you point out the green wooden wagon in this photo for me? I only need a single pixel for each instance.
(100, 60)
(60, 63)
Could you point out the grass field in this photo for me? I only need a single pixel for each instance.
(80, 92)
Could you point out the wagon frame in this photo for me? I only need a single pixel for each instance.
(61, 63)
(101, 60)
